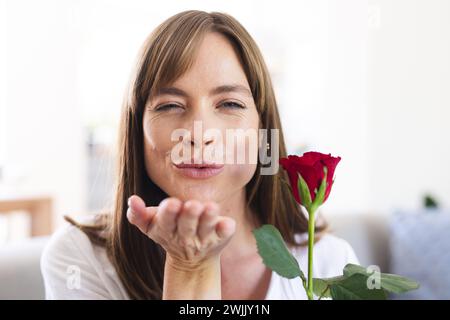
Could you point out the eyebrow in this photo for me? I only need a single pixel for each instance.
(215, 91)
(230, 88)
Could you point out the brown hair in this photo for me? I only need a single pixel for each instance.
(166, 54)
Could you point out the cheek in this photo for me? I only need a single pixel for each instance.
(157, 146)
(242, 172)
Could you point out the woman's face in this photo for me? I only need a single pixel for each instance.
(213, 96)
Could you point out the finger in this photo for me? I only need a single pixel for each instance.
(138, 214)
(208, 220)
(188, 219)
(225, 227)
(168, 211)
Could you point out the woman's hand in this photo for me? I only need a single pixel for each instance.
(193, 234)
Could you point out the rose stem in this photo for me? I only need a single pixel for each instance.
(309, 292)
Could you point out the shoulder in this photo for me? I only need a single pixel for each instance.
(74, 268)
(67, 244)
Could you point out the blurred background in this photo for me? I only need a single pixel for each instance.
(366, 80)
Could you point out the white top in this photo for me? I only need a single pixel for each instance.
(74, 268)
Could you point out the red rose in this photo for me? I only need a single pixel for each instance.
(311, 167)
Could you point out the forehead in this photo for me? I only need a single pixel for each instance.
(215, 63)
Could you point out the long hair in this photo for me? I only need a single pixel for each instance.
(166, 54)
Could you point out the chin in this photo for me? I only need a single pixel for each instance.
(198, 191)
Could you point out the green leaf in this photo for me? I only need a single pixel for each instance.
(275, 254)
(321, 288)
(351, 269)
(303, 191)
(397, 284)
(355, 288)
(320, 194)
(389, 282)
(354, 284)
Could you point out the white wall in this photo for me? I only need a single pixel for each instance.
(3, 82)
(44, 151)
(322, 90)
(409, 103)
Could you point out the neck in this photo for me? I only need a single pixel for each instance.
(242, 243)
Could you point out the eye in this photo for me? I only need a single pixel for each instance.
(232, 105)
(167, 107)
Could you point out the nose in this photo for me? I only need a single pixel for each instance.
(199, 137)
(200, 122)
(203, 140)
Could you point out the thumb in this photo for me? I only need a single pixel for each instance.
(140, 215)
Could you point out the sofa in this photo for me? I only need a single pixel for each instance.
(20, 274)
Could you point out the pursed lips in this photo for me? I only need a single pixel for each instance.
(199, 170)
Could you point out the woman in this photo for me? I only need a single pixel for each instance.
(183, 230)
